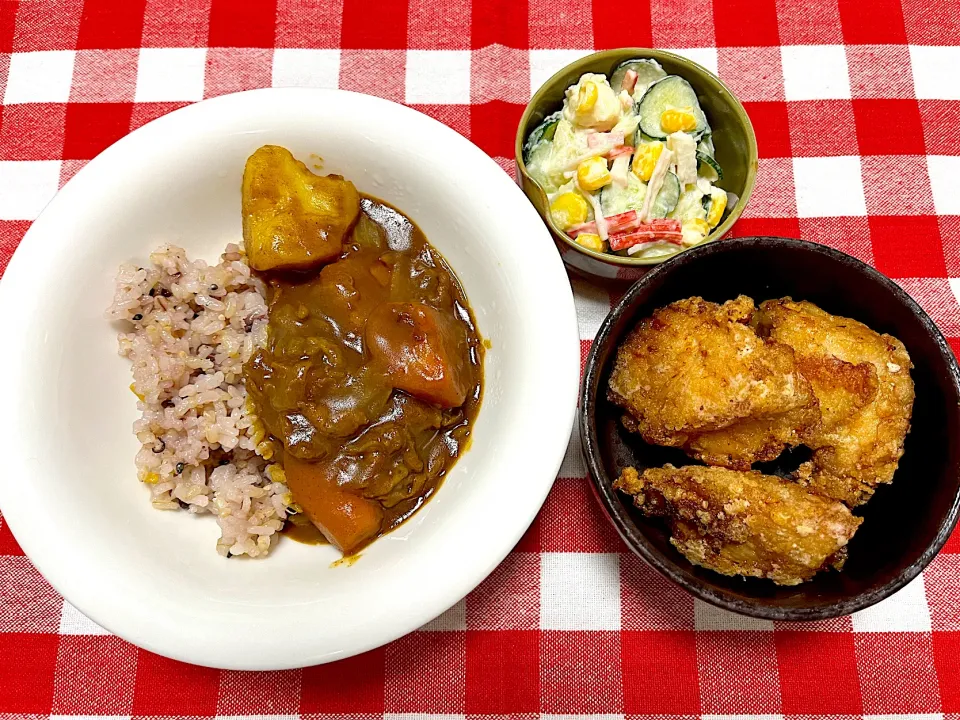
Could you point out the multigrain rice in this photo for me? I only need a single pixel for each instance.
(193, 327)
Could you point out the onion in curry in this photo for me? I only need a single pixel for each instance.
(371, 378)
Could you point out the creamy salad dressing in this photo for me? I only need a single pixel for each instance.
(629, 167)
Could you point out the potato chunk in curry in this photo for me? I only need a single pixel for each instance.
(292, 218)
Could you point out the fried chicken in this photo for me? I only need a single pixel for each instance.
(744, 523)
(696, 376)
(862, 381)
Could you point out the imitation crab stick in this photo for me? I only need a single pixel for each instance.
(658, 230)
(608, 139)
(615, 224)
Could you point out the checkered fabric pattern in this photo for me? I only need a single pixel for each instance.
(856, 106)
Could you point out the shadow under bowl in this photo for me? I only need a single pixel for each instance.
(905, 523)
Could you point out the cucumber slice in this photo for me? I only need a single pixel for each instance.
(649, 250)
(706, 144)
(671, 92)
(616, 199)
(640, 137)
(543, 131)
(708, 167)
(658, 250)
(667, 198)
(690, 206)
(648, 71)
(536, 161)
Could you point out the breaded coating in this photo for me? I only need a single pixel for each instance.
(695, 375)
(752, 440)
(744, 523)
(862, 381)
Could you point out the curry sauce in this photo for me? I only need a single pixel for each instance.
(371, 378)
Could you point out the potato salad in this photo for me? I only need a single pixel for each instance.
(628, 163)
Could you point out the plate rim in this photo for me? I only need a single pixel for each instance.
(19, 519)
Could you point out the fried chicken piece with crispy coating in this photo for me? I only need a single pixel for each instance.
(862, 381)
(744, 523)
(696, 376)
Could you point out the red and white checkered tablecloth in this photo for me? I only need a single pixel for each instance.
(856, 105)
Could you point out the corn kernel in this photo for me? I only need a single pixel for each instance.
(645, 160)
(674, 120)
(717, 205)
(593, 174)
(587, 97)
(569, 209)
(151, 478)
(265, 449)
(133, 389)
(697, 225)
(591, 241)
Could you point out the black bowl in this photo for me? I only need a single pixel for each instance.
(905, 524)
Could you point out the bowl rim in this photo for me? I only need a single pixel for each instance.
(96, 601)
(613, 54)
(634, 537)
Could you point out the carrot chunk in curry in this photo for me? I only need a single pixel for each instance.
(371, 377)
(423, 350)
(346, 519)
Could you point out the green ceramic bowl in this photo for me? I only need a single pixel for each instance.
(736, 150)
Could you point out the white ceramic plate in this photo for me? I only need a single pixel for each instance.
(69, 490)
